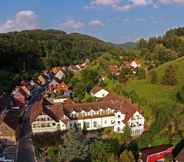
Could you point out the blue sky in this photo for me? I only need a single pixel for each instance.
(111, 20)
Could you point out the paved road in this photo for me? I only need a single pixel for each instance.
(25, 148)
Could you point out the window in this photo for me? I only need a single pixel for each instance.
(118, 129)
(119, 116)
(119, 122)
(53, 124)
(112, 121)
(105, 122)
(79, 125)
(94, 124)
(87, 124)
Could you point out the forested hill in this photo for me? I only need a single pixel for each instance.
(159, 50)
(24, 53)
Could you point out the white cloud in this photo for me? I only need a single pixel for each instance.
(24, 20)
(123, 5)
(96, 23)
(105, 2)
(171, 1)
(72, 25)
(118, 4)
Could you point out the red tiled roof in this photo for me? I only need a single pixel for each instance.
(119, 103)
(57, 69)
(55, 112)
(37, 109)
(153, 150)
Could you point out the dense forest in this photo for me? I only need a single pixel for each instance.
(22, 54)
(158, 50)
(25, 53)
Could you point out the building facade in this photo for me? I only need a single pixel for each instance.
(111, 112)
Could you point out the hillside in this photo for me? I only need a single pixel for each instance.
(161, 109)
(163, 112)
(127, 45)
(25, 53)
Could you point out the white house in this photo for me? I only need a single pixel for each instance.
(45, 123)
(112, 111)
(60, 75)
(99, 92)
(135, 64)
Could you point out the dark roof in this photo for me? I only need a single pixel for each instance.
(153, 150)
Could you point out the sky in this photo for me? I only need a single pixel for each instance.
(116, 21)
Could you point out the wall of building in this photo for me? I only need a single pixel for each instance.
(94, 123)
(136, 123)
(44, 123)
(119, 124)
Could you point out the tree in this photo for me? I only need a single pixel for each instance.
(141, 73)
(74, 147)
(180, 94)
(124, 75)
(127, 156)
(169, 77)
(102, 150)
(126, 135)
(154, 77)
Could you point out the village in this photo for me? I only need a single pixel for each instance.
(57, 111)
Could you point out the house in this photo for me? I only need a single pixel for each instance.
(19, 96)
(55, 86)
(56, 69)
(156, 153)
(111, 111)
(135, 64)
(48, 119)
(7, 151)
(99, 92)
(74, 68)
(6, 132)
(114, 69)
(60, 75)
(41, 80)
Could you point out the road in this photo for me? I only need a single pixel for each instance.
(25, 148)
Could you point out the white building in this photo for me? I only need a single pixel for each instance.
(111, 111)
(135, 64)
(99, 92)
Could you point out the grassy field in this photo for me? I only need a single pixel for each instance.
(158, 97)
(154, 98)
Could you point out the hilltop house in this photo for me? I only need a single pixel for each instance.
(112, 111)
(99, 92)
(135, 64)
